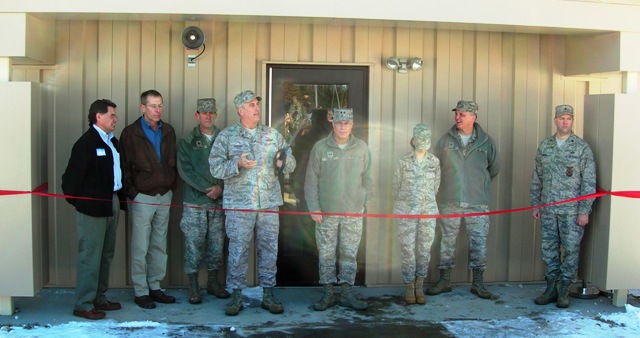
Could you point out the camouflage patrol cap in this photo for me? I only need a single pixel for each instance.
(206, 105)
(342, 114)
(468, 106)
(564, 109)
(422, 131)
(244, 97)
(421, 136)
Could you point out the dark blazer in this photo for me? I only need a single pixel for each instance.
(90, 174)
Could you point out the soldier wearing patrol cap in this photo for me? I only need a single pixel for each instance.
(415, 184)
(469, 161)
(338, 180)
(202, 217)
(244, 155)
(564, 169)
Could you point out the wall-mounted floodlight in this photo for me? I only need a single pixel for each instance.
(404, 64)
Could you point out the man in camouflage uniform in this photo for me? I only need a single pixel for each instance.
(469, 161)
(415, 184)
(338, 180)
(202, 217)
(246, 156)
(564, 169)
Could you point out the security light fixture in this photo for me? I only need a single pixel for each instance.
(404, 64)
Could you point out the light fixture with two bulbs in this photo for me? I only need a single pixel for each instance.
(402, 65)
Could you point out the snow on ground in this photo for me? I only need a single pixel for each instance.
(578, 323)
(567, 324)
(563, 323)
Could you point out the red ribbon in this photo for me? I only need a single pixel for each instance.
(41, 191)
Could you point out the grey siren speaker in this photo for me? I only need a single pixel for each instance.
(192, 37)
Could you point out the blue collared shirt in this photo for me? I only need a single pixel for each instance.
(117, 172)
(154, 136)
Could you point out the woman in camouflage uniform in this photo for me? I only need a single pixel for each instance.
(415, 184)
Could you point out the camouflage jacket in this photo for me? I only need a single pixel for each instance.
(467, 171)
(193, 167)
(338, 180)
(562, 173)
(254, 188)
(415, 184)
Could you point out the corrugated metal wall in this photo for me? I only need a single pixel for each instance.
(515, 78)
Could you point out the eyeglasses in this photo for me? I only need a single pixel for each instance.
(155, 106)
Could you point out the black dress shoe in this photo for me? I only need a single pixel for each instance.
(145, 302)
(161, 297)
(107, 306)
(89, 314)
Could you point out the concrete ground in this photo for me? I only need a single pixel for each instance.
(387, 315)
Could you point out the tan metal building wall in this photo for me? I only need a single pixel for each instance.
(516, 79)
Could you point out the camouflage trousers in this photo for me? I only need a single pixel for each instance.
(561, 230)
(338, 236)
(240, 227)
(415, 237)
(202, 228)
(477, 231)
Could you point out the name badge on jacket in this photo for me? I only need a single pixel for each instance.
(101, 152)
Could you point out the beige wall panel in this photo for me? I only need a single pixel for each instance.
(118, 92)
(494, 62)
(521, 167)
(291, 42)
(595, 257)
(516, 79)
(381, 142)
(58, 151)
(77, 127)
(185, 84)
(305, 48)
(277, 45)
(334, 33)
(179, 100)
(234, 59)
(134, 72)
(593, 54)
(372, 51)
(320, 43)
(428, 56)
(147, 56)
(94, 68)
(219, 51)
(162, 51)
(262, 54)
(347, 44)
(104, 68)
(249, 66)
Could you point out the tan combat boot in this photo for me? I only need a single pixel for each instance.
(420, 297)
(410, 293)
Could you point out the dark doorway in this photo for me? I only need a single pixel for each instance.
(295, 94)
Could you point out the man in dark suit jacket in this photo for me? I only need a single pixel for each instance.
(92, 183)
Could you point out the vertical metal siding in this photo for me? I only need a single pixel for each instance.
(515, 78)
